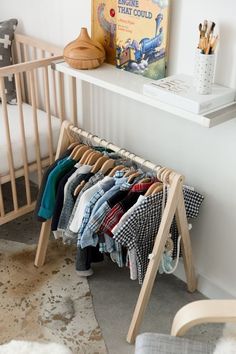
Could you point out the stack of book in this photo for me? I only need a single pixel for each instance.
(179, 91)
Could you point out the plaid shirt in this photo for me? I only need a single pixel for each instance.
(68, 235)
(141, 228)
(89, 236)
(118, 181)
(99, 189)
(108, 245)
(114, 215)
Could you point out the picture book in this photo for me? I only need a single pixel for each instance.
(134, 34)
(104, 15)
(141, 38)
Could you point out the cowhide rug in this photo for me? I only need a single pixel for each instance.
(48, 304)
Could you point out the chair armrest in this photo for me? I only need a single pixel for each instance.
(203, 311)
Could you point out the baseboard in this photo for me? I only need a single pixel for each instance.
(205, 286)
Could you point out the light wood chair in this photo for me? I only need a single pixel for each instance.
(192, 314)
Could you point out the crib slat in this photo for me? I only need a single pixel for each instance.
(23, 139)
(73, 103)
(9, 145)
(36, 129)
(36, 78)
(14, 53)
(54, 87)
(2, 210)
(20, 60)
(43, 53)
(48, 111)
(61, 96)
(26, 56)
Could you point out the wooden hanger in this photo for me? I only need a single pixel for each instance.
(165, 175)
(80, 152)
(72, 145)
(78, 188)
(117, 168)
(159, 173)
(145, 180)
(73, 152)
(97, 166)
(129, 172)
(93, 158)
(91, 152)
(133, 175)
(157, 189)
(109, 164)
(152, 188)
(85, 156)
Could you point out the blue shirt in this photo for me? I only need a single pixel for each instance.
(89, 236)
(101, 188)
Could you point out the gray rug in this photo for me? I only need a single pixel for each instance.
(47, 304)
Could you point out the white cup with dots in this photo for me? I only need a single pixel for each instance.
(204, 73)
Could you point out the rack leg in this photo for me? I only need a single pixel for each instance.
(42, 244)
(154, 262)
(63, 143)
(143, 299)
(182, 224)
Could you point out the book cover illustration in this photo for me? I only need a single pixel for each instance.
(104, 26)
(141, 37)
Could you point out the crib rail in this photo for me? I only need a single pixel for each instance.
(31, 68)
(38, 85)
(23, 44)
(27, 66)
(26, 48)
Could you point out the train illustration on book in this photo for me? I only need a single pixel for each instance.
(136, 56)
(134, 34)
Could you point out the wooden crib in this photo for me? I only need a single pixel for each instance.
(29, 130)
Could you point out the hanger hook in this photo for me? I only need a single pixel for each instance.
(102, 142)
(160, 173)
(133, 156)
(108, 143)
(119, 151)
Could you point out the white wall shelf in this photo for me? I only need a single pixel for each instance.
(131, 86)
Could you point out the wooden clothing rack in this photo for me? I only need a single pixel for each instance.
(174, 206)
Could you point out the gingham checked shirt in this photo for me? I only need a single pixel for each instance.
(140, 230)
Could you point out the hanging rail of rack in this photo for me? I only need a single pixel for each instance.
(174, 207)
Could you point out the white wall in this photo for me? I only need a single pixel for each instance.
(205, 156)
